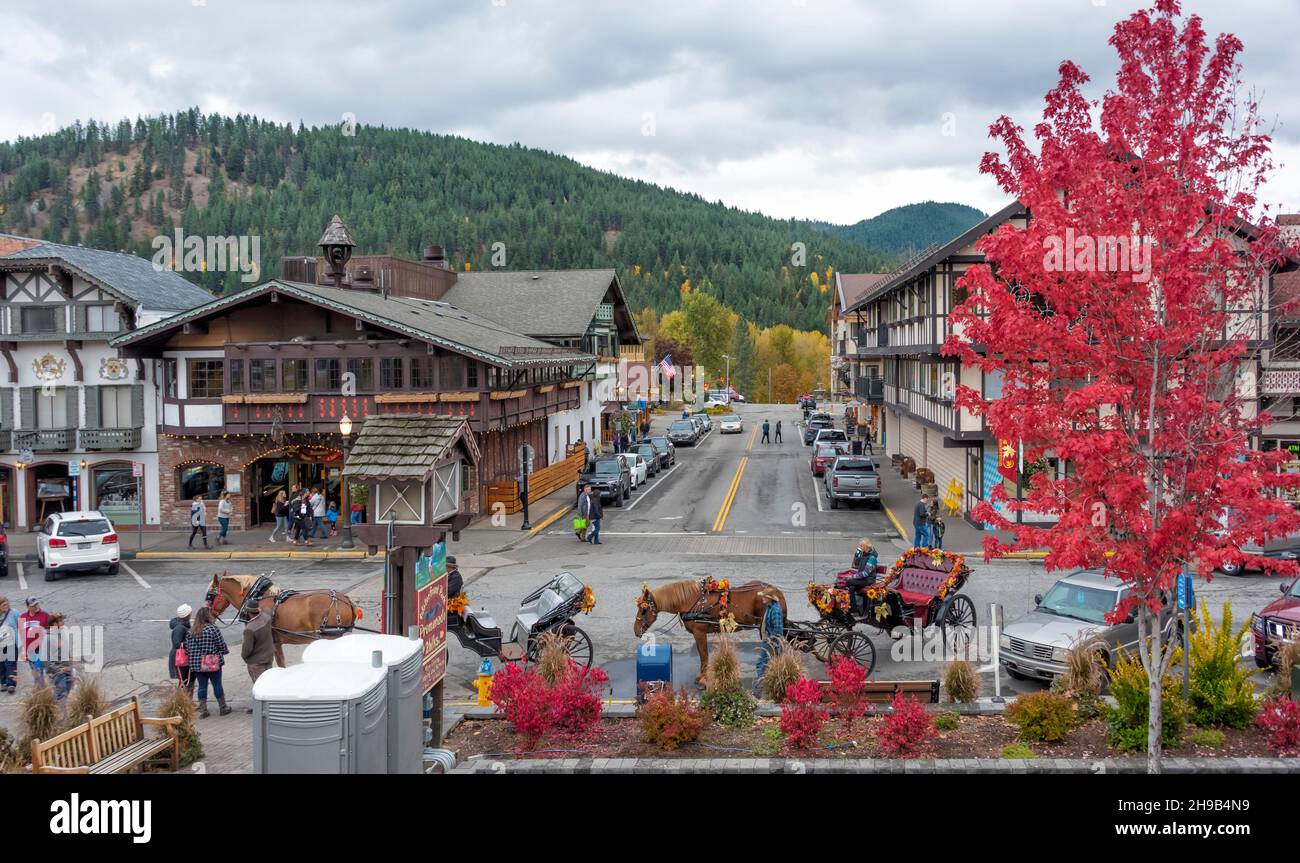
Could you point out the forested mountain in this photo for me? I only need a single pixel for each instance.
(910, 228)
(118, 185)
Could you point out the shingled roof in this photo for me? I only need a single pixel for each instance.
(541, 303)
(405, 447)
(133, 277)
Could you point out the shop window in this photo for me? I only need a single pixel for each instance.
(207, 378)
(204, 480)
(115, 494)
(261, 376)
(293, 373)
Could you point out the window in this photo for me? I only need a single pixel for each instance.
(115, 494)
(207, 378)
(471, 376)
(327, 375)
(293, 373)
(43, 319)
(421, 373)
(52, 409)
(451, 371)
(102, 319)
(261, 376)
(205, 480)
(236, 377)
(363, 372)
(993, 384)
(115, 408)
(390, 373)
(169, 377)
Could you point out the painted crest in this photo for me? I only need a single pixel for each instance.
(114, 369)
(48, 368)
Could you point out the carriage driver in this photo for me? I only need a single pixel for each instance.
(864, 569)
(455, 581)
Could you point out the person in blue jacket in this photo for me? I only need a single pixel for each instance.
(773, 630)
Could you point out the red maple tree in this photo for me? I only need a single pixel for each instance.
(1125, 319)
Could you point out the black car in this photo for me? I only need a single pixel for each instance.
(684, 432)
(666, 450)
(608, 477)
(815, 425)
(648, 452)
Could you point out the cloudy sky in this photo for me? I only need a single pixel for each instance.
(796, 108)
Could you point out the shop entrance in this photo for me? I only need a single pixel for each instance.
(303, 467)
(6, 498)
(49, 491)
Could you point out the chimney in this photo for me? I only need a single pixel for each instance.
(435, 257)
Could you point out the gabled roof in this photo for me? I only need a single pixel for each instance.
(542, 303)
(122, 273)
(936, 253)
(852, 287)
(431, 321)
(406, 447)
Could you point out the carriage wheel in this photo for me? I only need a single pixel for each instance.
(576, 642)
(958, 624)
(857, 647)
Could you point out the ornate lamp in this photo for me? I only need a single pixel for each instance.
(336, 245)
(345, 506)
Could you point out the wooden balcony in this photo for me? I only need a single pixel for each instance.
(109, 439)
(45, 440)
(936, 412)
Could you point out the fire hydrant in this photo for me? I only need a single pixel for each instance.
(484, 682)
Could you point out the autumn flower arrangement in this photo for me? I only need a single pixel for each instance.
(457, 604)
(828, 600)
(721, 588)
(951, 562)
(588, 600)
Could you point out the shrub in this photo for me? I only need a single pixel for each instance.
(961, 682)
(85, 700)
(1018, 750)
(1280, 720)
(783, 669)
(575, 700)
(552, 657)
(907, 731)
(523, 699)
(1084, 672)
(1128, 718)
(669, 719)
(723, 672)
(11, 755)
(730, 708)
(179, 703)
(848, 692)
(770, 744)
(1210, 738)
(1042, 716)
(947, 721)
(1284, 659)
(802, 713)
(39, 716)
(1221, 690)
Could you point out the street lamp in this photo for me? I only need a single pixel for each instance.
(345, 429)
(728, 359)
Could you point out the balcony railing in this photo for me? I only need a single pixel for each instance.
(1280, 382)
(605, 313)
(44, 440)
(871, 390)
(110, 439)
(939, 412)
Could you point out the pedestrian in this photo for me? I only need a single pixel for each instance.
(178, 664)
(32, 626)
(8, 646)
(207, 650)
(766, 429)
(258, 648)
(773, 630)
(332, 516)
(224, 510)
(198, 521)
(302, 521)
(935, 521)
(58, 658)
(618, 441)
(921, 523)
(318, 513)
(280, 509)
(778, 431)
(589, 508)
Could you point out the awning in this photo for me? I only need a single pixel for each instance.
(612, 408)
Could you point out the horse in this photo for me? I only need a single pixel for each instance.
(701, 608)
(299, 617)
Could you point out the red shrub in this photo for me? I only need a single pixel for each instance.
(575, 700)
(668, 720)
(908, 730)
(1281, 721)
(522, 697)
(848, 692)
(802, 713)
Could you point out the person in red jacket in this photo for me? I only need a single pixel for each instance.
(32, 626)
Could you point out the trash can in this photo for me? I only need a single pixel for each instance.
(654, 668)
(857, 447)
(403, 658)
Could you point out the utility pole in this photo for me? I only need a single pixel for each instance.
(769, 384)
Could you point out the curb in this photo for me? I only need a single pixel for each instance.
(253, 555)
(926, 766)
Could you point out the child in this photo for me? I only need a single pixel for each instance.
(332, 516)
(58, 662)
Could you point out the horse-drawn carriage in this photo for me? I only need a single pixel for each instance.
(921, 587)
(550, 608)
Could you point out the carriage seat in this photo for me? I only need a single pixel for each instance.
(534, 611)
(481, 624)
(917, 585)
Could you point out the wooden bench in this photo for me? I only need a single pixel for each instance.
(883, 691)
(112, 743)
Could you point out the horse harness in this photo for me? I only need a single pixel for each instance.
(252, 599)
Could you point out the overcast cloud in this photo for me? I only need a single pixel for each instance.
(797, 108)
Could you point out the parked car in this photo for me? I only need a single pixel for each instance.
(730, 424)
(822, 458)
(704, 418)
(815, 424)
(852, 477)
(833, 436)
(684, 432)
(717, 402)
(1277, 624)
(1281, 548)
(609, 477)
(736, 397)
(1074, 610)
(76, 542)
(648, 452)
(640, 470)
(666, 449)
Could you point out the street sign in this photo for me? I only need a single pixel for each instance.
(74, 467)
(137, 468)
(1186, 591)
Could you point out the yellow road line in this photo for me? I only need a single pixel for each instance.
(549, 520)
(720, 522)
(898, 527)
(752, 437)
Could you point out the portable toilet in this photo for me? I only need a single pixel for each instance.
(321, 717)
(403, 658)
(654, 668)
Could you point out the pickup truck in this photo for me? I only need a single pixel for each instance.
(852, 478)
(831, 437)
(609, 477)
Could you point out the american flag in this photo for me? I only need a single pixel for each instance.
(667, 365)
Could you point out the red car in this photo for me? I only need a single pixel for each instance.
(1277, 624)
(823, 458)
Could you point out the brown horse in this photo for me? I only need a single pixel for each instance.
(300, 618)
(701, 610)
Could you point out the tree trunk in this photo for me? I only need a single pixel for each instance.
(1152, 652)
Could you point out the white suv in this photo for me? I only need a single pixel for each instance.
(72, 541)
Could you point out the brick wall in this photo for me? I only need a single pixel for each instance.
(230, 453)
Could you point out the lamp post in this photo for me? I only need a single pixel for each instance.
(345, 429)
(728, 359)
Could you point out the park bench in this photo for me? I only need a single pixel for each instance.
(112, 743)
(883, 691)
